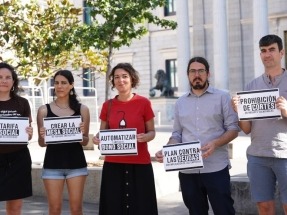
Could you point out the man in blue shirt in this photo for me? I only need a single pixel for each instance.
(205, 114)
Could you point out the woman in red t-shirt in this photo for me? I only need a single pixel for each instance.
(127, 180)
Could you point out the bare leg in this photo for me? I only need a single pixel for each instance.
(54, 189)
(76, 190)
(13, 207)
(266, 208)
(285, 208)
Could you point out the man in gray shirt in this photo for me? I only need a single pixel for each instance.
(205, 114)
(267, 154)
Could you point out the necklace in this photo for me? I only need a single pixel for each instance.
(61, 107)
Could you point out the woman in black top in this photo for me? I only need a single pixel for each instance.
(64, 162)
(15, 159)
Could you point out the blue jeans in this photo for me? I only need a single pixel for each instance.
(197, 189)
(63, 173)
(264, 173)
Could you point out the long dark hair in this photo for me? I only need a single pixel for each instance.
(15, 88)
(73, 101)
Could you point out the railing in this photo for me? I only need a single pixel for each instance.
(40, 95)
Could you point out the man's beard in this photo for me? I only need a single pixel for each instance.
(198, 86)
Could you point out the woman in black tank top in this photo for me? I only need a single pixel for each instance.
(64, 162)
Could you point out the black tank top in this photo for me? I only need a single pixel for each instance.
(64, 155)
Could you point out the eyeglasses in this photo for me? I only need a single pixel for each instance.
(200, 71)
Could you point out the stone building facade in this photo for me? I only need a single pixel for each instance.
(225, 32)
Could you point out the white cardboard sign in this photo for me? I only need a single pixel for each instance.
(182, 156)
(63, 129)
(13, 130)
(118, 141)
(258, 104)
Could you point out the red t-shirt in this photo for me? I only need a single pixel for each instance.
(133, 114)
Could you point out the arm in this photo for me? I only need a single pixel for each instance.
(29, 131)
(230, 126)
(103, 126)
(244, 125)
(210, 147)
(85, 125)
(176, 136)
(150, 132)
(41, 114)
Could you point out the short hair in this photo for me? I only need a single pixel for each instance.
(15, 87)
(270, 39)
(129, 69)
(198, 59)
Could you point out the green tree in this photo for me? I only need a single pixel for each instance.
(115, 23)
(39, 39)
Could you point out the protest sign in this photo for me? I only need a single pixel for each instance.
(182, 156)
(118, 141)
(13, 130)
(62, 129)
(258, 104)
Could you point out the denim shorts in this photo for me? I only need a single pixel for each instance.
(63, 173)
(264, 174)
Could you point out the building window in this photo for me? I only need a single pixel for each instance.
(285, 47)
(88, 81)
(170, 67)
(86, 14)
(169, 8)
(88, 77)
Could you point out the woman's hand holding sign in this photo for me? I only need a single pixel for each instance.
(29, 131)
(42, 132)
(146, 137)
(96, 139)
(159, 156)
(85, 137)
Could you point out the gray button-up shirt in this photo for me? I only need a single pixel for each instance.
(205, 118)
(269, 136)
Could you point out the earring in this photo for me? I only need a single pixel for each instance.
(12, 89)
(71, 92)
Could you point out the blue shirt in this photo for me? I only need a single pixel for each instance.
(204, 118)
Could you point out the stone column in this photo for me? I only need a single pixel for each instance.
(260, 29)
(198, 35)
(220, 45)
(183, 45)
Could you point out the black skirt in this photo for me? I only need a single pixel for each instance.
(127, 189)
(15, 175)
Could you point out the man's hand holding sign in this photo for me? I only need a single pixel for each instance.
(281, 104)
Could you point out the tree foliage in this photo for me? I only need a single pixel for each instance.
(115, 23)
(44, 38)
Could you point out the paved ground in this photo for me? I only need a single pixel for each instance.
(170, 204)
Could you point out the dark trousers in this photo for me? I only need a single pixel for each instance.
(197, 189)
